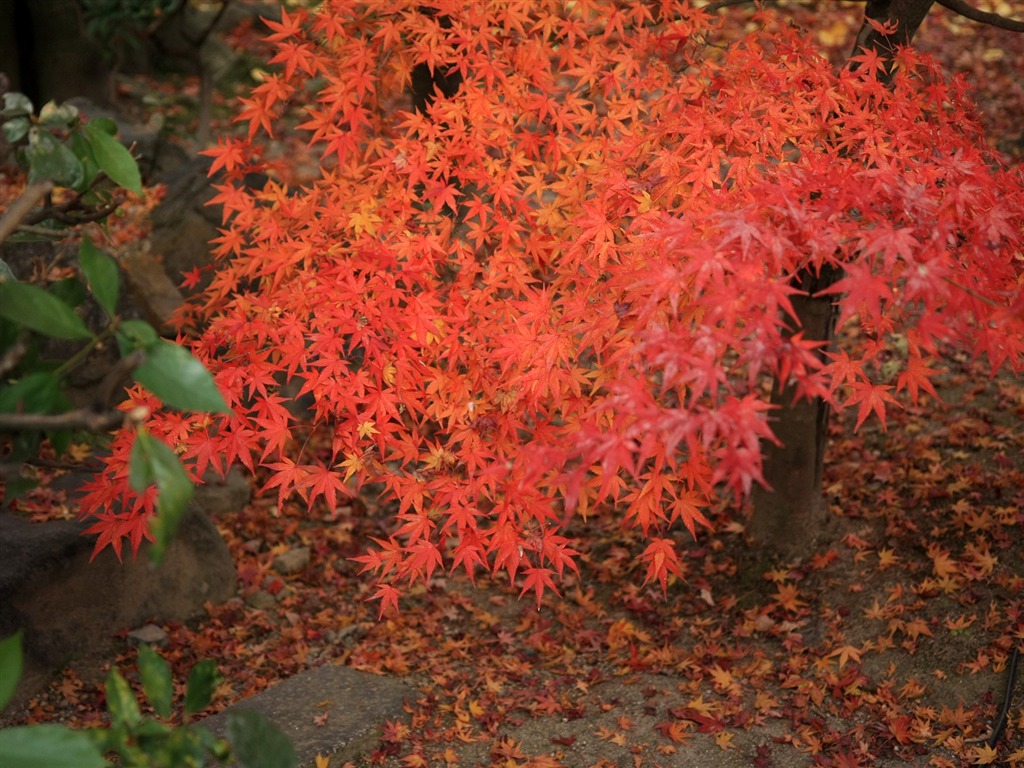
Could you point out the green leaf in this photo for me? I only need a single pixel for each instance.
(50, 159)
(124, 710)
(16, 129)
(46, 746)
(202, 682)
(34, 308)
(258, 743)
(6, 275)
(70, 290)
(10, 667)
(16, 104)
(113, 158)
(83, 151)
(219, 748)
(62, 116)
(14, 488)
(104, 124)
(171, 373)
(156, 680)
(135, 334)
(33, 393)
(102, 274)
(153, 462)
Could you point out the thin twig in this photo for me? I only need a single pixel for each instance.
(983, 17)
(80, 418)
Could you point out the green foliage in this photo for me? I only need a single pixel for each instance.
(40, 311)
(125, 21)
(139, 741)
(152, 463)
(171, 373)
(56, 147)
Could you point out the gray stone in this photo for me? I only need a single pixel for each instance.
(154, 292)
(355, 704)
(223, 496)
(292, 561)
(69, 604)
(150, 634)
(183, 223)
(261, 600)
(69, 607)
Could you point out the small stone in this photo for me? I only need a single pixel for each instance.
(261, 601)
(292, 561)
(150, 634)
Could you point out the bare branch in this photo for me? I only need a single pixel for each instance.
(80, 418)
(14, 353)
(983, 17)
(118, 373)
(19, 209)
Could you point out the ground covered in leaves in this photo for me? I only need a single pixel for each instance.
(888, 645)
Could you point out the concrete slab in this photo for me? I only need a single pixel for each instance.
(355, 704)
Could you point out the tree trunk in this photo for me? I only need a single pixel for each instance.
(790, 518)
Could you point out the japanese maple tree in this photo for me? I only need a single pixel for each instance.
(566, 286)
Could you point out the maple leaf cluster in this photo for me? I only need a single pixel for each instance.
(567, 287)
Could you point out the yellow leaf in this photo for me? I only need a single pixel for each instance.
(322, 762)
(366, 429)
(788, 598)
(887, 558)
(846, 653)
(351, 465)
(983, 755)
(724, 740)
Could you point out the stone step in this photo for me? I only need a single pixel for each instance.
(355, 703)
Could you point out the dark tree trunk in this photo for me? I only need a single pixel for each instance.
(790, 518)
(46, 55)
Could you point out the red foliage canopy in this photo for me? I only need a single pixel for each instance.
(567, 287)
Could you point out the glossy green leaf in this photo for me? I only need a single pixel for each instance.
(102, 274)
(124, 710)
(50, 159)
(83, 151)
(202, 682)
(135, 334)
(156, 680)
(113, 158)
(37, 309)
(47, 746)
(152, 462)
(16, 129)
(258, 743)
(171, 373)
(10, 667)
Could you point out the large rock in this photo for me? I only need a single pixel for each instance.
(331, 711)
(68, 607)
(183, 222)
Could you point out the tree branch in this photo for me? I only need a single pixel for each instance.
(983, 17)
(80, 418)
(20, 208)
